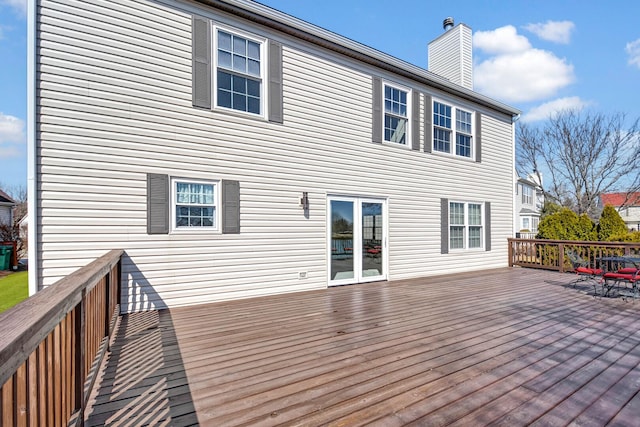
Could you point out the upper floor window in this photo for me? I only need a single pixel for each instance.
(195, 204)
(449, 136)
(527, 195)
(239, 72)
(396, 115)
(465, 225)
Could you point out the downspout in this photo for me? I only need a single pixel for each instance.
(32, 185)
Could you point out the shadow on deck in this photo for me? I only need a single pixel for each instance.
(505, 347)
(143, 381)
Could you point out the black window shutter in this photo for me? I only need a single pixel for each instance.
(444, 226)
(157, 203)
(201, 62)
(376, 132)
(230, 207)
(487, 226)
(275, 83)
(428, 123)
(415, 121)
(478, 137)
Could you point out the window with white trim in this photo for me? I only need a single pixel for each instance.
(396, 114)
(466, 222)
(195, 204)
(452, 136)
(527, 195)
(239, 72)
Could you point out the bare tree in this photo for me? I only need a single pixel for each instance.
(585, 154)
(19, 195)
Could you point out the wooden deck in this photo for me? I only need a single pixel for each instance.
(507, 347)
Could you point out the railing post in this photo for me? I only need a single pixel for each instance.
(107, 311)
(561, 257)
(81, 330)
(511, 251)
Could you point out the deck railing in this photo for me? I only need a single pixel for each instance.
(555, 254)
(52, 343)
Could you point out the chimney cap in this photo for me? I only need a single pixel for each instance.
(447, 24)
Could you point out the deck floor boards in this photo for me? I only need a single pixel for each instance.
(503, 347)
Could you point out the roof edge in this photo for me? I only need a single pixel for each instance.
(264, 15)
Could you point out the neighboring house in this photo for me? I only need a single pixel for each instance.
(627, 205)
(529, 204)
(6, 208)
(234, 151)
(23, 226)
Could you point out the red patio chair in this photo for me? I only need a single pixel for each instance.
(626, 276)
(584, 271)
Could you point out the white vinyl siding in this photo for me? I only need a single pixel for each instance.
(115, 103)
(451, 56)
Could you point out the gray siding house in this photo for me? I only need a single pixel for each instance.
(6, 209)
(234, 151)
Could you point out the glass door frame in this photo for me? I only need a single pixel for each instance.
(358, 276)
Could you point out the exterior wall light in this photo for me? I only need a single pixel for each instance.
(304, 201)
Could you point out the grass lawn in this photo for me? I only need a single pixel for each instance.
(13, 289)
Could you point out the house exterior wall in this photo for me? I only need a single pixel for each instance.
(631, 217)
(5, 214)
(115, 104)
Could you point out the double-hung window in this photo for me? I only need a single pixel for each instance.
(449, 135)
(396, 114)
(465, 225)
(527, 195)
(239, 72)
(195, 204)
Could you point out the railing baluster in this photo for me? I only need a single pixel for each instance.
(550, 254)
(7, 403)
(21, 396)
(49, 342)
(81, 355)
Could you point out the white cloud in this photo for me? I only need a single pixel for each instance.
(12, 132)
(633, 49)
(515, 71)
(553, 31)
(500, 41)
(19, 5)
(524, 76)
(10, 151)
(549, 109)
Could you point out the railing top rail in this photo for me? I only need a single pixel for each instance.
(579, 242)
(24, 326)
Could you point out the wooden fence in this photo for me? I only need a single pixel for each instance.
(556, 254)
(52, 344)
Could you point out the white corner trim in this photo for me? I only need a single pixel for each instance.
(32, 185)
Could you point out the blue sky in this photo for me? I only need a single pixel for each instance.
(538, 56)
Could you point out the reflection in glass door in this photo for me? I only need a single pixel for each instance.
(342, 267)
(372, 239)
(357, 240)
